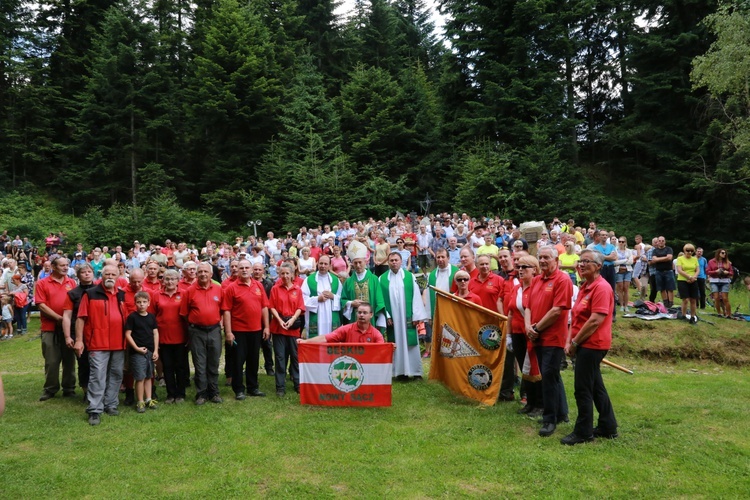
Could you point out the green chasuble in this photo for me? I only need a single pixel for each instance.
(432, 280)
(411, 331)
(355, 289)
(312, 284)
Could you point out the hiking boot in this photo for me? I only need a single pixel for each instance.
(152, 404)
(112, 412)
(94, 419)
(200, 401)
(140, 407)
(601, 433)
(217, 399)
(573, 439)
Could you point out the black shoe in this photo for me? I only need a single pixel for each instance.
(45, 396)
(69, 394)
(547, 430)
(112, 412)
(281, 394)
(270, 372)
(604, 434)
(216, 399)
(574, 439)
(506, 399)
(240, 396)
(535, 412)
(525, 410)
(94, 419)
(256, 393)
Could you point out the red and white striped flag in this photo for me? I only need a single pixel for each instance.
(345, 374)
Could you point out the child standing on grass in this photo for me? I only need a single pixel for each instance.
(7, 330)
(143, 337)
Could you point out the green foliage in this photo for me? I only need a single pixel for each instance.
(34, 214)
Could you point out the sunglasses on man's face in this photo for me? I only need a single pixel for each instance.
(462, 280)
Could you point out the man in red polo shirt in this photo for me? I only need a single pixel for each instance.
(50, 295)
(151, 283)
(229, 348)
(547, 326)
(487, 285)
(245, 323)
(100, 324)
(201, 306)
(360, 332)
(189, 269)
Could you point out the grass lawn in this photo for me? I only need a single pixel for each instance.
(684, 432)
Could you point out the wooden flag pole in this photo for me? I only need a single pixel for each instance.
(616, 366)
(456, 298)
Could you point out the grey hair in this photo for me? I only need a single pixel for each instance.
(598, 256)
(552, 250)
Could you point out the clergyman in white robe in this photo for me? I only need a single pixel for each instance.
(324, 309)
(407, 360)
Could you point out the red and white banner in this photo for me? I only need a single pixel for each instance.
(345, 374)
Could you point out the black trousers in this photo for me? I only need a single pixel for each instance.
(174, 360)
(702, 292)
(267, 347)
(608, 273)
(652, 291)
(590, 392)
(509, 375)
(247, 351)
(284, 351)
(553, 390)
(229, 362)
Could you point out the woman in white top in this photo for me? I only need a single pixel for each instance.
(306, 263)
(624, 269)
(257, 256)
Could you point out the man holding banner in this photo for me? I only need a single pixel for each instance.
(355, 373)
(360, 332)
(322, 293)
(441, 278)
(403, 309)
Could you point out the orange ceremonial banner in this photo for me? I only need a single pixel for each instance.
(468, 348)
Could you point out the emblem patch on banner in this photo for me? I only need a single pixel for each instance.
(480, 377)
(346, 374)
(489, 337)
(453, 346)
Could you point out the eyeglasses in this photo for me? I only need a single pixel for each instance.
(462, 280)
(623, 241)
(523, 267)
(585, 262)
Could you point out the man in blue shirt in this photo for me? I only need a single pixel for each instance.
(604, 247)
(702, 266)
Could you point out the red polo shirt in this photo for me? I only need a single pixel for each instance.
(228, 282)
(472, 297)
(202, 306)
(350, 333)
(510, 284)
(52, 293)
(555, 290)
(245, 303)
(151, 286)
(594, 297)
(166, 308)
(130, 299)
(183, 285)
(488, 290)
(286, 301)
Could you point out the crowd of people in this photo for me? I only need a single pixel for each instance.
(127, 317)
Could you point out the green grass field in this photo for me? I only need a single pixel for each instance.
(684, 432)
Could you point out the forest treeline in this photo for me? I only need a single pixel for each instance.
(633, 114)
